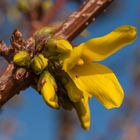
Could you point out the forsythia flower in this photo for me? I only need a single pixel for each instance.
(88, 79)
(69, 76)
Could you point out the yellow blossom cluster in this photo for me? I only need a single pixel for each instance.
(84, 77)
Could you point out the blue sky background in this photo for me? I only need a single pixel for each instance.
(39, 122)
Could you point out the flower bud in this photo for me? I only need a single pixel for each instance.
(22, 58)
(47, 87)
(39, 63)
(58, 46)
(63, 46)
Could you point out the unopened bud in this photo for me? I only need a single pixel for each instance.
(48, 87)
(63, 46)
(39, 63)
(22, 58)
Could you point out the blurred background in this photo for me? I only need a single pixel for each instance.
(27, 117)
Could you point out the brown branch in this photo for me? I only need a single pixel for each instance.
(79, 20)
(10, 85)
(14, 80)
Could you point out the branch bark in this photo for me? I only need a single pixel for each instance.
(80, 19)
(13, 81)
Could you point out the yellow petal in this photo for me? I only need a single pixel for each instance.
(83, 112)
(47, 87)
(73, 58)
(74, 93)
(100, 48)
(99, 81)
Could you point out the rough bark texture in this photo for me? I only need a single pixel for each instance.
(13, 79)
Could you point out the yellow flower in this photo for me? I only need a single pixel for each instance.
(91, 79)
